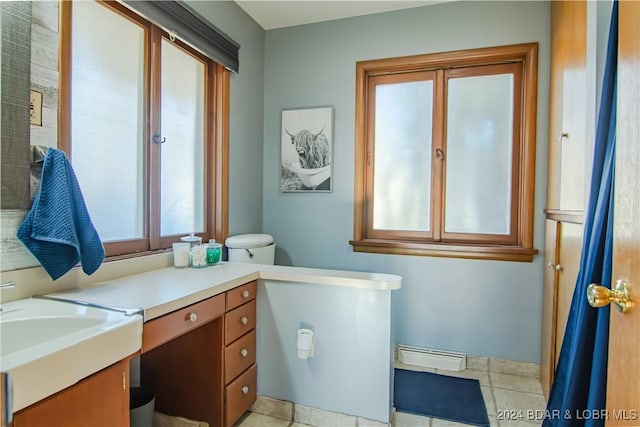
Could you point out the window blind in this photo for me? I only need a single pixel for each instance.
(186, 24)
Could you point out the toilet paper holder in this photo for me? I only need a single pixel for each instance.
(305, 343)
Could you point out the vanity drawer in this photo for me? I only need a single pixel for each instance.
(163, 329)
(239, 356)
(241, 294)
(240, 395)
(240, 321)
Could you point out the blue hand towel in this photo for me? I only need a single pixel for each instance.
(58, 230)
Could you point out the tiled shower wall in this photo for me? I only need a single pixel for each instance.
(44, 78)
(44, 69)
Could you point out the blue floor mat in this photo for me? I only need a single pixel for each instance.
(440, 396)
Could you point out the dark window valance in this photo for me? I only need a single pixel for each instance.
(178, 18)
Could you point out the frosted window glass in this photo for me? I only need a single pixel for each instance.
(478, 155)
(183, 160)
(402, 167)
(107, 118)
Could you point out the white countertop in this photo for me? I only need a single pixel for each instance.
(162, 291)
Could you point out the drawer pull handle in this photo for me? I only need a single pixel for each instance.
(245, 390)
(191, 317)
(244, 320)
(244, 352)
(245, 294)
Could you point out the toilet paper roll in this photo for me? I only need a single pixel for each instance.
(305, 343)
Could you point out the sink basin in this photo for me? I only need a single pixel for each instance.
(39, 330)
(47, 345)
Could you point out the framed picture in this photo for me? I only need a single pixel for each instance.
(307, 148)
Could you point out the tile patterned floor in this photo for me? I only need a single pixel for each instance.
(512, 394)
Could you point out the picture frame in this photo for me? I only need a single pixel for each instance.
(306, 150)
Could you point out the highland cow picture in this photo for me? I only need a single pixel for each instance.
(306, 141)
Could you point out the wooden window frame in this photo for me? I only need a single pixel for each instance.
(216, 133)
(518, 245)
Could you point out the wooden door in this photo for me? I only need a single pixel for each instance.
(623, 385)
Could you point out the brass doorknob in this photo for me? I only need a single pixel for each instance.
(600, 296)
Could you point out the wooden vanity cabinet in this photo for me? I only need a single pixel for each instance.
(100, 400)
(240, 351)
(200, 360)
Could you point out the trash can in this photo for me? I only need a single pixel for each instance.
(141, 406)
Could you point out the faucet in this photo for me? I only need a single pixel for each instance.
(8, 285)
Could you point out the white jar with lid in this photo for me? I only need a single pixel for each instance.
(192, 239)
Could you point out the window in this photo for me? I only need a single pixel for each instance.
(144, 120)
(445, 154)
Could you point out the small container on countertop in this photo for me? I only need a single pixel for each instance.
(193, 241)
(214, 252)
(198, 256)
(180, 254)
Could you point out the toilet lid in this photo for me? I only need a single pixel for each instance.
(248, 241)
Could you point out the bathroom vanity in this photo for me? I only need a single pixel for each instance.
(62, 358)
(207, 331)
(200, 360)
(101, 399)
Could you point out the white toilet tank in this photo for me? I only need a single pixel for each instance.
(256, 248)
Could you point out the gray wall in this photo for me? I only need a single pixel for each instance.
(486, 308)
(246, 115)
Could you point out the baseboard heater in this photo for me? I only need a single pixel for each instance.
(430, 358)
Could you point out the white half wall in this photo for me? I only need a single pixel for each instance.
(351, 371)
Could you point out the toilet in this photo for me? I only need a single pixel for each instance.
(254, 248)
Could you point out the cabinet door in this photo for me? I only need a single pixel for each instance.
(568, 106)
(99, 400)
(548, 343)
(563, 246)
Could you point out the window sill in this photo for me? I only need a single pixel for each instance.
(446, 250)
(121, 257)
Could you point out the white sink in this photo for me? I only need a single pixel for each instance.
(39, 329)
(48, 345)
